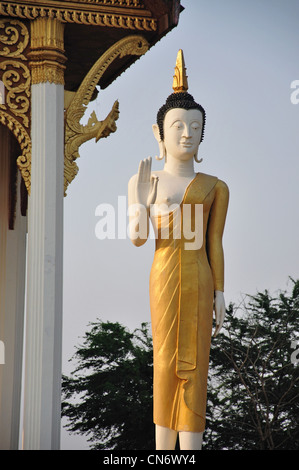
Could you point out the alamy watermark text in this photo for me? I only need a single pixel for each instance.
(174, 221)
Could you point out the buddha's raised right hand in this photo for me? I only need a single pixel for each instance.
(146, 184)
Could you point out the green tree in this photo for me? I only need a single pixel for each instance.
(109, 395)
(254, 376)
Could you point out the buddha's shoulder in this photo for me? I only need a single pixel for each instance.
(219, 183)
(216, 187)
(222, 187)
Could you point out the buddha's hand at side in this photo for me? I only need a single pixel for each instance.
(219, 307)
(146, 184)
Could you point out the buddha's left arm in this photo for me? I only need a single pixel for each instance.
(215, 233)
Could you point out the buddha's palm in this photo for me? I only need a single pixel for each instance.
(146, 185)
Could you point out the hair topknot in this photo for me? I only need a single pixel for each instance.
(179, 100)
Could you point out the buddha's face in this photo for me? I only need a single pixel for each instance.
(182, 132)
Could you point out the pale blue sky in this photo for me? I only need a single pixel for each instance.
(241, 58)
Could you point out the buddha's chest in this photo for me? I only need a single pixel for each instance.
(171, 192)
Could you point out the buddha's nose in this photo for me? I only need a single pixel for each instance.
(187, 132)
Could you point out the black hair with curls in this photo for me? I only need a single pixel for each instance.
(179, 100)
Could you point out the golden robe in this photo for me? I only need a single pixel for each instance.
(182, 285)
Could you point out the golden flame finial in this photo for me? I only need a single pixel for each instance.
(180, 82)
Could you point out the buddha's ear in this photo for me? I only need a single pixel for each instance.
(156, 132)
(162, 149)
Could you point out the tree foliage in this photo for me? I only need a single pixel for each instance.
(109, 395)
(252, 391)
(254, 383)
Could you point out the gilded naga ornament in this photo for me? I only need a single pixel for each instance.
(75, 133)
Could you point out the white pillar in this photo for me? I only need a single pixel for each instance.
(44, 276)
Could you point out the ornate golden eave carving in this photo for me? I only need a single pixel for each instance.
(127, 3)
(16, 77)
(18, 74)
(124, 14)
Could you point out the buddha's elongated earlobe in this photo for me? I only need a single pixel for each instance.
(162, 150)
(196, 158)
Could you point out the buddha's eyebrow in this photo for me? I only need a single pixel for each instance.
(175, 121)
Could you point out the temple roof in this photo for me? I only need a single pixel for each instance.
(92, 26)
